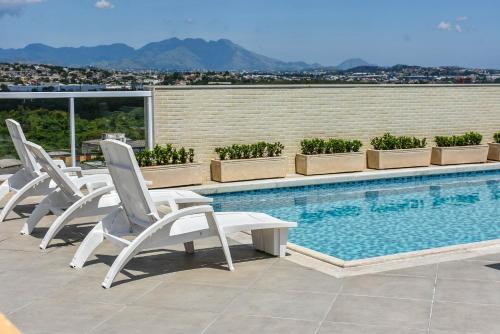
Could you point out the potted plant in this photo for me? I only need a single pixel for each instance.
(398, 152)
(464, 149)
(494, 148)
(328, 156)
(249, 162)
(169, 167)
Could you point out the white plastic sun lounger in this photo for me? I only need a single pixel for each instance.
(68, 202)
(138, 216)
(29, 180)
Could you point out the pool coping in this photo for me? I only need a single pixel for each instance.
(295, 180)
(310, 258)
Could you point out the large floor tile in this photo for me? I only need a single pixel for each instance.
(479, 270)
(244, 275)
(390, 286)
(469, 318)
(297, 279)
(262, 325)
(419, 271)
(48, 316)
(285, 304)
(89, 290)
(380, 311)
(151, 320)
(190, 297)
(19, 288)
(481, 292)
(340, 328)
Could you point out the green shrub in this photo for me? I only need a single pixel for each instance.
(496, 137)
(470, 138)
(166, 155)
(390, 142)
(329, 146)
(257, 150)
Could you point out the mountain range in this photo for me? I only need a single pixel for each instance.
(172, 54)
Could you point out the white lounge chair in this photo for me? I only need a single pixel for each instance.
(138, 216)
(29, 180)
(68, 202)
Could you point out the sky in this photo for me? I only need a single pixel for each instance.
(383, 32)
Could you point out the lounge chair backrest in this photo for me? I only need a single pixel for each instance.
(18, 138)
(129, 182)
(56, 174)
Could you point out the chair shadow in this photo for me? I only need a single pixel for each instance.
(494, 266)
(168, 261)
(68, 236)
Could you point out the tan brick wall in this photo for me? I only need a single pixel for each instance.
(207, 117)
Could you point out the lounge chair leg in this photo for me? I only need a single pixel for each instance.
(189, 247)
(38, 186)
(4, 189)
(88, 246)
(123, 258)
(40, 211)
(11, 204)
(58, 224)
(272, 241)
(212, 221)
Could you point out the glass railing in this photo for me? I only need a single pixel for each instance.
(47, 122)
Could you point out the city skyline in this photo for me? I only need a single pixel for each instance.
(448, 33)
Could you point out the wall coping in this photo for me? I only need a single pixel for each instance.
(296, 86)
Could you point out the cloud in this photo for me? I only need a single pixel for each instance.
(458, 27)
(15, 7)
(462, 18)
(189, 20)
(104, 4)
(445, 26)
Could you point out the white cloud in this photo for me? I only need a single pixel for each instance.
(104, 4)
(458, 27)
(445, 26)
(15, 7)
(462, 18)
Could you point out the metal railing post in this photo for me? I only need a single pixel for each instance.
(72, 131)
(148, 109)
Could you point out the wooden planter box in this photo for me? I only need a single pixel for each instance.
(248, 169)
(459, 155)
(494, 151)
(330, 163)
(387, 159)
(172, 175)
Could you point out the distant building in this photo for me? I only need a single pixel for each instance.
(56, 88)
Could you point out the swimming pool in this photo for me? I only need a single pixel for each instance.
(365, 219)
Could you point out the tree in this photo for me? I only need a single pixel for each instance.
(4, 88)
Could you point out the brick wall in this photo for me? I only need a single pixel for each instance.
(206, 117)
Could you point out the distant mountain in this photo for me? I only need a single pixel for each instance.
(171, 54)
(353, 63)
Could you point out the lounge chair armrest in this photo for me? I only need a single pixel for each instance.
(93, 182)
(60, 163)
(77, 170)
(175, 215)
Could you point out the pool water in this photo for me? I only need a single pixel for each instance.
(359, 220)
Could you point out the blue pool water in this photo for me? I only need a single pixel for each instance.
(358, 220)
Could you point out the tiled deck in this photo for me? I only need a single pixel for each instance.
(171, 292)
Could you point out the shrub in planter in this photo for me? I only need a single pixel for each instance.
(329, 146)
(390, 142)
(166, 166)
(326, 156)
(462, 149)
(494, 148)
(468, 139)
(398, 152)
(248, 162)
